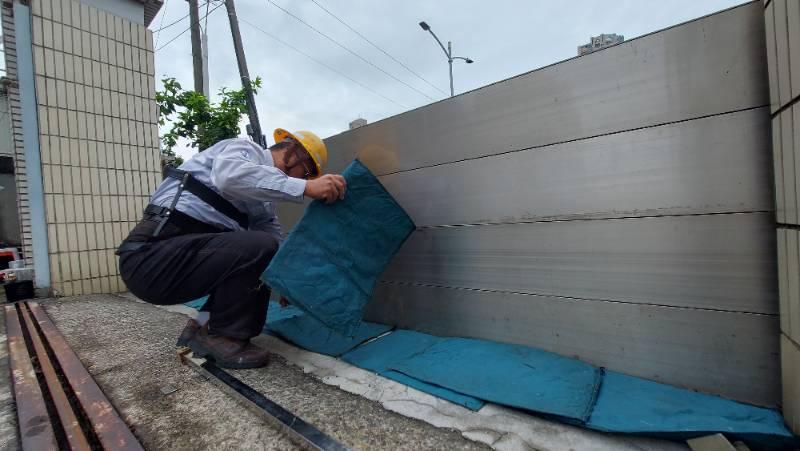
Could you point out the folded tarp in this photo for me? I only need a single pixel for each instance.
(309, 333)
(512, 375)
(378, 355)
(632, 405)
(332, 258)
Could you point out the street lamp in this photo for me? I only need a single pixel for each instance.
(447, 51)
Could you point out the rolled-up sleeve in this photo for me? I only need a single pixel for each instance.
(237, 173)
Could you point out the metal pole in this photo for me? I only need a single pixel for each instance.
(197, 49)
(251, 101)
(204, 42)
(450, 62)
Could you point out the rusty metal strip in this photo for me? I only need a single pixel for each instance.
(111, 431)
(36, 432)
(72, 428)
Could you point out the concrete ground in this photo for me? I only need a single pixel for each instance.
(128, 346)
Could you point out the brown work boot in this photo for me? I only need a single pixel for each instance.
(228, 352)
(188, 333)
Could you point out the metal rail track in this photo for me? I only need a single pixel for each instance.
(59, 405)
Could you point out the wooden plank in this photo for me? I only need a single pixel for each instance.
(734, 355)
(36, 432)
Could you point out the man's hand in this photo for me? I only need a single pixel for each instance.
(283, 302)
(328, 187)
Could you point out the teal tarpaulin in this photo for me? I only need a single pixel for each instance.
(331, 260)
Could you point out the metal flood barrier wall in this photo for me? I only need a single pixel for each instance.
(615, 207)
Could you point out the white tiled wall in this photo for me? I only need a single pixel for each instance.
(782, 25)
(98, 137)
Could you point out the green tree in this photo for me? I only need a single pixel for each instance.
(193, 117)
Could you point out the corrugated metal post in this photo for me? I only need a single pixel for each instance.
(240, 59)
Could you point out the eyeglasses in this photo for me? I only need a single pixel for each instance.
(298, 148)
(308, 173)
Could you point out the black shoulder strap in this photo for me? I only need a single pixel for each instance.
(208, 195)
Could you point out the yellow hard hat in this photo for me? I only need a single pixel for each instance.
(310, 142)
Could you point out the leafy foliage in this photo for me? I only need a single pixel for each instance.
(193, 117)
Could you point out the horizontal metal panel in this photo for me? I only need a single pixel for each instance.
(783, 281)
(711, 165)
(793, 24)
(772, 56)
(791, 140)
(289, 214)
(790, 367)
(782, 46)
(724, 262)
(729, 354)
(792, 303)
(777, 157)
(711, 65)
(789, 166)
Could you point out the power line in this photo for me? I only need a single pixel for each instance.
(205, 26)
(161, 25)
(332, 69)
(377, 47)
(190, 26)
(347, 49)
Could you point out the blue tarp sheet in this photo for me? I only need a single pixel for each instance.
(456, 368)
(475, 371)
(513, 375)
(331, 260)
(294, 325)
(378, 355)
(633, 405)
(308, 333)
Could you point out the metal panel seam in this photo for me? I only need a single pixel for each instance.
(610, 301)
(567, 141)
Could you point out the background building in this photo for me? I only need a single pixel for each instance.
(360, 122)
(85, 136)
(600, 42)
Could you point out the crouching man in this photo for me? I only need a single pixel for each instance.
(210, 229)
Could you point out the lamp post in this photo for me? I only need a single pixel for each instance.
(447, 51)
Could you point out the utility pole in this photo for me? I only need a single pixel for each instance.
(206, 91)
(254, 128)
(197, 49)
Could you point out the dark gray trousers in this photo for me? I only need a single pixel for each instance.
(226, 266)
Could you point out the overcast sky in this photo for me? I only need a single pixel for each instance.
(504, 37)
